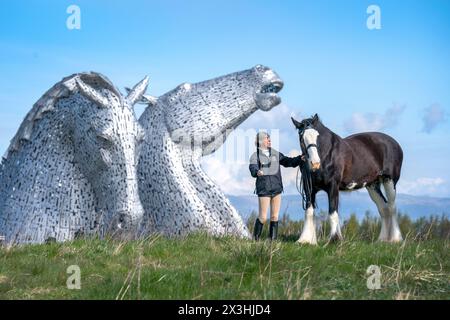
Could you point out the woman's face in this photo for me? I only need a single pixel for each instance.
(266, 143)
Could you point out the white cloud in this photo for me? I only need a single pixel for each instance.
(423, 186)
(277, 118)
(360, 122)
(289, 175)
(228, 166)
(234, 177)
(433, 116)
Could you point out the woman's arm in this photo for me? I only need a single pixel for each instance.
(290, 162)
(253, 166)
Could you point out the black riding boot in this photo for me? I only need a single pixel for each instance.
(273, 230)
(258, 229)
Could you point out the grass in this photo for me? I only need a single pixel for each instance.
(202, 267)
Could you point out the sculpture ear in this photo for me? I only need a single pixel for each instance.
(91, 93)
(149, 100)
(296, 123)
(145, 99)
(135, 94)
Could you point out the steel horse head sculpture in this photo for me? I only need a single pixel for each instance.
(71, 168)
(183, 125)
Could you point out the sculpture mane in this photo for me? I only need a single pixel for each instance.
(48, 101)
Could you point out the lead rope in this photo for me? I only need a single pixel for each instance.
(305, 186)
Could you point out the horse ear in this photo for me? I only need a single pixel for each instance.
(135, 94)
(90, 93)
(295, 122)
(316, 117)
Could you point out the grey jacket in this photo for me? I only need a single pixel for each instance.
(271, 182)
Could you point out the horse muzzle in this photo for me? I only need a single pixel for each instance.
(315, 166)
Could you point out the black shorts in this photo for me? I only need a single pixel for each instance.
(271, 195)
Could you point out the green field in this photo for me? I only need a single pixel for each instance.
(202, 267)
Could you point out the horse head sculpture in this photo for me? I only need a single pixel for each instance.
(185, 124)
(71, 168)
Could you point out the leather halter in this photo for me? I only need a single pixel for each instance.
(301, 132)
(312, 145)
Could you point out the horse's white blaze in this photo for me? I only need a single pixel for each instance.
(310, 137)
(309, 229)
(335, 227)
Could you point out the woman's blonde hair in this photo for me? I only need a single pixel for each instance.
(260, 137)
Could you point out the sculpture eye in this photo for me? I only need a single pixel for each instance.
(105, 140)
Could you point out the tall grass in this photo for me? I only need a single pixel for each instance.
(204, 267)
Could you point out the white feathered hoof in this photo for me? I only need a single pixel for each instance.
(308, 235)
(335, 228)
(308, 238)
(335, 238)
(396, 235)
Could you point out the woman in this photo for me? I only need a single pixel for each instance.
(265, 167)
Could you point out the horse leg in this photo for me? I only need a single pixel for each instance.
(394, 232)
(333, 204)
(377, 196)
(309, 228)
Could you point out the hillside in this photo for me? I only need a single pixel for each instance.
(350, 202)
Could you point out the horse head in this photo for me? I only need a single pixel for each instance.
(308, 134)
(106, 137)
(206, 112)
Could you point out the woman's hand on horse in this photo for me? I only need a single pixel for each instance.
(260, 173)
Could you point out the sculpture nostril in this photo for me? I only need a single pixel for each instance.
(123, 220)
(128, 219)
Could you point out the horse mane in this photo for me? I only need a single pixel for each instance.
(48, 101)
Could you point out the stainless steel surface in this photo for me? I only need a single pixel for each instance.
(71, 168)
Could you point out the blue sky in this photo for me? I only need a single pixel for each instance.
(394, 80)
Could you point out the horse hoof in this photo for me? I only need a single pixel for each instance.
(335, 238)
(307, 242)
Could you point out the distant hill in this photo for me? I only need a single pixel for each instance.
(350, 202)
